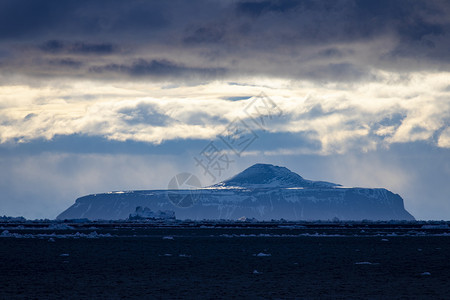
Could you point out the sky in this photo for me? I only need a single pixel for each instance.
(99, 96)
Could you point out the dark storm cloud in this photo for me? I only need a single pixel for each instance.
(53, 46)
(256, 8)
(56, 46)
(21, 18)
(320, 21)
(332, 53)
(340, 72)
(300, 39)
(211, 34)
(29, 18)
(158, 68)
(66, 62)
(324, 22)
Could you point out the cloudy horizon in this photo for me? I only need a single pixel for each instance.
(106, 95)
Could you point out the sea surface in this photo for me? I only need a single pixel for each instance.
(216, 261)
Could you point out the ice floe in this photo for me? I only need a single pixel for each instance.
(261, 254)
(91, 235)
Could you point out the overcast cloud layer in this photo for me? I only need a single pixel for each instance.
(347, 78)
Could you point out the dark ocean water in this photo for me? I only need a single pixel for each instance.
(212, 263)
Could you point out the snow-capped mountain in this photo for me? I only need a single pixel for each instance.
(262, 191)
(270, 176)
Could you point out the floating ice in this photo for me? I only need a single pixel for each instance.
(261, 254)
(145, 213)
(437, 226)
(12, 219)
(59, 226)
(53, 236)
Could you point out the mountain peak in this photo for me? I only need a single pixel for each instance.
(268, 175)
(262, 191)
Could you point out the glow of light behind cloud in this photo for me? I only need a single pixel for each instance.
(348, 113)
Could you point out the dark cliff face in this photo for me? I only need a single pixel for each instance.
(263, 192)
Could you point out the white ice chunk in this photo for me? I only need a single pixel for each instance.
(261, 254)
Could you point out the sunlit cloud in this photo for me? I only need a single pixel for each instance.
(361, 116)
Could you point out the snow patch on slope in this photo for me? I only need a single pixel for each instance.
(270, 176)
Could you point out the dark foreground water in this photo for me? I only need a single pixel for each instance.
(211, 263)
